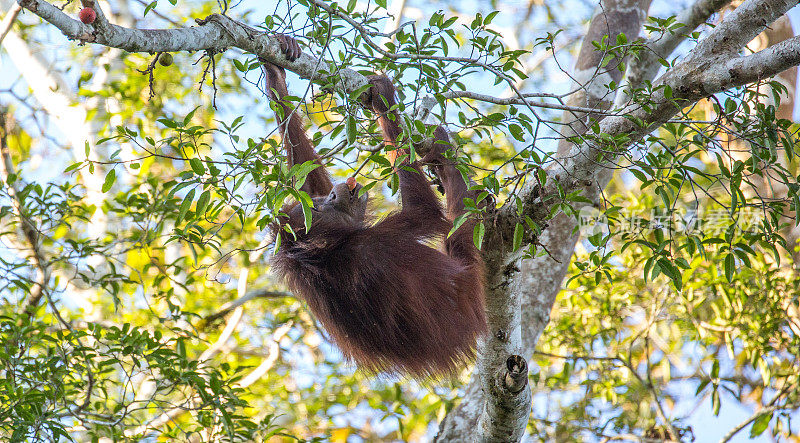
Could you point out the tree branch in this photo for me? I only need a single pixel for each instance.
(520, 101)
(741, 26)
(662, 45)
(233, 304)
(215, 33)
(769, 408)
(583, 169)
(540, 278)
(759, 66)
(29, 232)
(690, 81)
(8, 20)
(509, 394)
(613, 17)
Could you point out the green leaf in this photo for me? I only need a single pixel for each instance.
(149, 7)
(202, 202)
(671, 271)
(352, 130)
(306, 214)
(278, 241)
(703, 384)
(518, 231)
(73, 167)
(730, 267)
(638, 174)
(516, 132)
(168, 122)
(715, 402)
(109, 182)
(189, 116)
(197, 166)
(457, 223)
(180, 347)
(760, 425)
(300, 172)
(477, 234)
(185, 205)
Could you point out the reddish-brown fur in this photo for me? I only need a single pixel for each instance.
(389, 301)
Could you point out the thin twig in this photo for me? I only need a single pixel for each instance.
(522, 100)
(233, 304)
(9, 20)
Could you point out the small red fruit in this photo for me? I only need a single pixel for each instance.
(87, 15)
(351, 182)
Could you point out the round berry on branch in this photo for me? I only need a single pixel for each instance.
(165, 59)
(87, 15)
